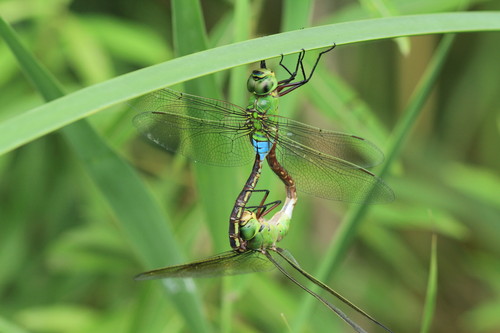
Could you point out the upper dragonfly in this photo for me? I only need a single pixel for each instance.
(324, 163)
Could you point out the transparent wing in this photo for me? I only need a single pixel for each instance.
(205, 130)
(330, 177)
(347, 147)
(189, 105)
(227, 263)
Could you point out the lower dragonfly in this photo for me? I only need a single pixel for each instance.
(260, 236)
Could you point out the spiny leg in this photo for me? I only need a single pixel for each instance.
(267, 208)
(292, 86)
(294, 74)
(261, 204)
(263, 208)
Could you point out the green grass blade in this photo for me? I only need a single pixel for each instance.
(189, 18)
(296, 14)
(141, 219)
(431, 294)
(46, 118)
(44, 82)
(188, 27)
(348, 228)
(386, 9)
(241, 22)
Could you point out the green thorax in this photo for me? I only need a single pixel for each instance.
(262, 234)
(262, 84)
(263, 104)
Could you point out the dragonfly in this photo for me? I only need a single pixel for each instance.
(323, 163)
(220, 133)
(261, 254)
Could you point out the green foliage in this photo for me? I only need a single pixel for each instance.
(77, 222)
(430, 298)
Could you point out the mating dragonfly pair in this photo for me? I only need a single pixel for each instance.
(323, 163)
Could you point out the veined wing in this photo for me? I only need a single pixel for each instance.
(350, 148)
(227, 263)
(330, 177)
(171, 101)
(206, 130)
(214, 142)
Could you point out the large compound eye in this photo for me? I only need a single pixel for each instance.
(263, 87)
(249, 225)
(262, 82)
(266, 85)
(251, 84)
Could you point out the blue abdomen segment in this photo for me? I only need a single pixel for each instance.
(262, 147)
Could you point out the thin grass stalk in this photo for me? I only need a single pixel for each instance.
(432, 286)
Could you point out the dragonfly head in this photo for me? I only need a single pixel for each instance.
(262, 81)
(249, 225)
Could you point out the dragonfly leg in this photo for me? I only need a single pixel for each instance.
(262, 209)
(287, 86)
(294, 74)
(262, 205)
(251, 191)
(269, 207)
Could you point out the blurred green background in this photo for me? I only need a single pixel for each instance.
(66, 264)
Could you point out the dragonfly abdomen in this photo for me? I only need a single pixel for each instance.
(261, 144)
(286, 178)
(235, 239)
